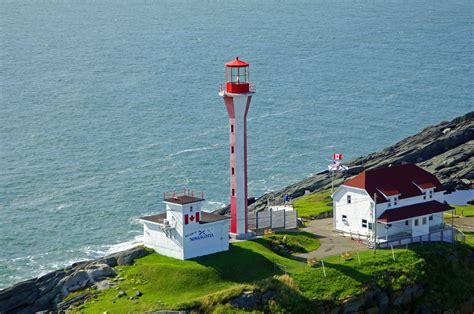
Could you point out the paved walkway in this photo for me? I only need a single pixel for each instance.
(331, 243)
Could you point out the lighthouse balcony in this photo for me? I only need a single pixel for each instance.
(183, 197)
(237, 88)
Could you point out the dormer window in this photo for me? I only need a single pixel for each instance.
(348, 199)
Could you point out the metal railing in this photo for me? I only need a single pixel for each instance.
(223, 87)
(183, 192)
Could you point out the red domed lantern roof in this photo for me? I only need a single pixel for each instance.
(236, 63)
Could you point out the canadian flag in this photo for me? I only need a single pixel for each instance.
(187, 218)
(337, 156)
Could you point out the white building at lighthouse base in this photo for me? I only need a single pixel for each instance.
(184, 231)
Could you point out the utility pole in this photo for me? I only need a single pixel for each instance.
(375, 224)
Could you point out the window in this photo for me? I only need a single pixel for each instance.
(416, 222)
(348, 199)
(395, 200)
(431, 218)
(389, 225)
(233, 192)
(231, 128)
(424, 220)
(232, 149)
(407, 222)
(364, 223)
(344, 217)
(431, 193)
(233, 170)
(389, 202)
(190, 208)
(371, 225)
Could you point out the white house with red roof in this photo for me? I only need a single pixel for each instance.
(405, 203)
(185, 231)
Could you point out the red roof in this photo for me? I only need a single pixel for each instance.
(390, 191)
(405, 212)
(236, 63)
(396, 179)
(425, 185)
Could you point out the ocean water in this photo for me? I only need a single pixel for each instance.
(107, 104)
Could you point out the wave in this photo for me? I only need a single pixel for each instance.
(273, 114)
(214, 146)
(212, 205)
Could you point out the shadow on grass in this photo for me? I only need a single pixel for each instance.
(240, 265)
(350, 272)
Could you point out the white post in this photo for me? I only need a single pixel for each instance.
(393, 254)
(324, 270)
(375, 224)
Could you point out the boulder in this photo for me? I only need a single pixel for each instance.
(127, 257)
(74, 282)
(99, 271)
(104, 284)
(267, 296)
(247, 301)
(353, 304)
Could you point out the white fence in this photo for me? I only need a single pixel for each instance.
(441, 235)
(275, 217)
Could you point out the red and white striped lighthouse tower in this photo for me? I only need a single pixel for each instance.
(237, 93)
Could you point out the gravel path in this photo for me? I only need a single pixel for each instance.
(331, 243)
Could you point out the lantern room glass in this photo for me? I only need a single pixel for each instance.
(237, 75)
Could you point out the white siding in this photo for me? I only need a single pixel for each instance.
(359, 208)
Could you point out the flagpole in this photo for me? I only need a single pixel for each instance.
(332, 182)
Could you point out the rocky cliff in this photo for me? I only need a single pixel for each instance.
(445, 149)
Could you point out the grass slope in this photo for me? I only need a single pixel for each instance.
(167, 283)
(313, 205)
(445, 271)
(298, 242)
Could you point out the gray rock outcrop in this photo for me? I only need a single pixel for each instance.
(46, 292)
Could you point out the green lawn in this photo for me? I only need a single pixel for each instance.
(298, 242)
(313, 205)
(167, 283)
(462, 210)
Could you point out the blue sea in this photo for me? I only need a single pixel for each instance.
(105, 105)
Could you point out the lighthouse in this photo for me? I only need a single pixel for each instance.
(237, 92)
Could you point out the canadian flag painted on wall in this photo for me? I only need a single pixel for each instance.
(337, 156)
(193, 218)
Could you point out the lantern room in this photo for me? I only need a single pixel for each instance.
(237, 77)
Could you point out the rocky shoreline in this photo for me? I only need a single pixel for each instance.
(47, 292)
